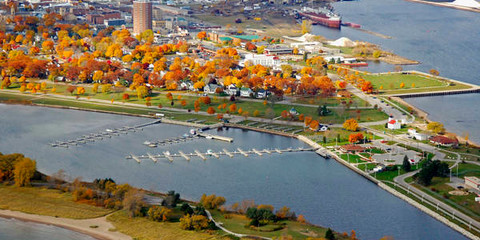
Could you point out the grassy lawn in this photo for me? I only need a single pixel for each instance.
(142, 228)
(440, 190)
(345, 50)
(237, 223)
(337, 115)
(47, 202)
(388, 175)
(391, 83)
(352, 158)
(382, 128)
(466, 169)
(369, 166)
(331, 101)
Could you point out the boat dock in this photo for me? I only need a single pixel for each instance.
(170, 141)
(224, 152)
(108, 133)
(216, 137)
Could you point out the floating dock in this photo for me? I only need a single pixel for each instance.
(224, 152)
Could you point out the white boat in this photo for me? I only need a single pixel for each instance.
(193, 132)
(147, 143)
(109, 130)
(167, 153)
(209, 151)
(208, 137)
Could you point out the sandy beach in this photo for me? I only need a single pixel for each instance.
(82, 226)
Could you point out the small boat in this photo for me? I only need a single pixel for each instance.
(152, 145)
(109, 130)
(147, 143)
(209, 151)
(186, 135)
(167, 153)
(208, 137)
(193, 132)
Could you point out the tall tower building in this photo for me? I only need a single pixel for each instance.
(142, 16)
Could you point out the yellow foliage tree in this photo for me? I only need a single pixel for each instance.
(350, 124)
(23, 171)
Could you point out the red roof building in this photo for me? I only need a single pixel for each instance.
(444, 141)
(352, 148)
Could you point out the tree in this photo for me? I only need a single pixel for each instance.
(210, 110)
(306, 26)
(142, 92)
(232, 107)
(402, 85)
(435, 127)
(329, 234)
(125, 96)
(133, 202)
(202, 35)
(355, 137)
(285, 213)
(351, 125)
(23, 171)
(194, 222)
(212, 201)
(406, 164)
(95, 88)
(159, 214)
(301, 219)
(434, 72)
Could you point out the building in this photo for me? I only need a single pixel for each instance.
(212, 88)
(393, 123)
(351, 148)
(418, 136)
(245, 92)
(262, 59)
(142, 16)
(472, 182)
(444, 141)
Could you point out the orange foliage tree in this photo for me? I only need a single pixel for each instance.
(351, 124)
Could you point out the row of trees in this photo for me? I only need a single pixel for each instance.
(16, 167)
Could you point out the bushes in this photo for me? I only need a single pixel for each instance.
(159, 214)
(194, 222)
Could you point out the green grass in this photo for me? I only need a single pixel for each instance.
(440, 190)
(466, 169)
(351, 158)
(370, 166)
(142, 228)
(391, 83)
(331, 101)
(388, 175)
(237, 223)
(345, 50)
(382, 128)
(47, 202)
(337, 115)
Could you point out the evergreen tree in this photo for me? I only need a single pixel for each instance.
(406, 164)
(329, 234)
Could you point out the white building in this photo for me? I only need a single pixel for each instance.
(472, 182)
(418, 136)
(393, 123)
(262, 59)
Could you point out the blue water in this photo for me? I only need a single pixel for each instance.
(445, 39)
(324, 191)
(11, 229)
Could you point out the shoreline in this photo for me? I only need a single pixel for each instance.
(76, 225)
(302, 138)
(439, 4)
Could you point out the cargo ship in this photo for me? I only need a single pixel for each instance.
(321, 16)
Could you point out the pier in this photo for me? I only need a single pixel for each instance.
(108, 133)
(215, 137)
(203, 155)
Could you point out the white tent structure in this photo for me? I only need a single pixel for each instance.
(466, 3)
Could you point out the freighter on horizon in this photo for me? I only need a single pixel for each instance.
(321, 16)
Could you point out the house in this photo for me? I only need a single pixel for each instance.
(351, 148)
(418, 136)
(211, 88)
(444, 141)
(262, 93)
(187, 85)
(393, 123)
(472, 182)
(262, 59)
(245, 92)
(232, 90)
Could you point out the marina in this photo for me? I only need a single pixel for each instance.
(108, 133)
(203, 155)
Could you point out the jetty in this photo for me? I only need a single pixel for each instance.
(217, 154)
(108, 133)
(216, 137)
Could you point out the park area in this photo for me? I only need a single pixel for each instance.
(399, 83)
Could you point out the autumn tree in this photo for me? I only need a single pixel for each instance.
(212, 201)
(202, 35)
(434, 72)
(210, 110)
(142, 91)
(194, 222)
(232, 107)
(125, 96)
(133, 202)
(435, 127)
(355, 137)
(23, 171)
(159, 214)
(351, 125)
(285, 213)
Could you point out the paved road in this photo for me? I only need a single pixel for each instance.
(449, 210)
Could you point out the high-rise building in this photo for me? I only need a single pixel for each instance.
(142, 16)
